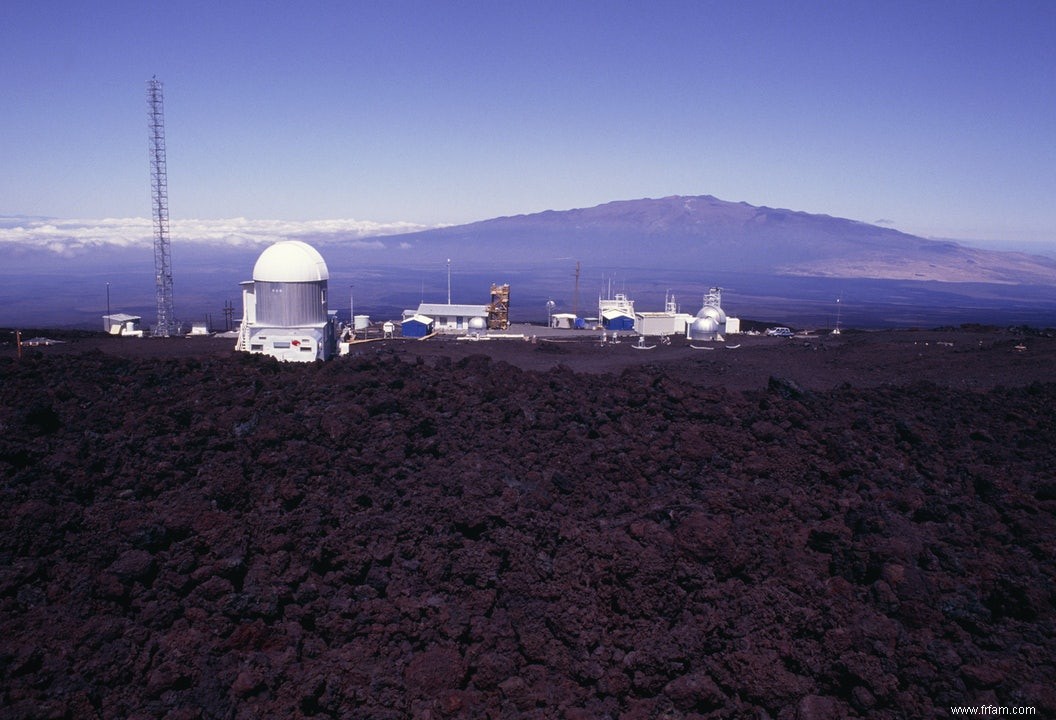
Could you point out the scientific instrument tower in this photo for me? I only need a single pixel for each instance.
(166, 325)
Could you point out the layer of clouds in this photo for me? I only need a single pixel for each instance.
(67, 237)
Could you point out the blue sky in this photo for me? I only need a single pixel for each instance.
(937, 118)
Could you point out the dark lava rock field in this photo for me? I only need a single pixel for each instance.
(501, 531)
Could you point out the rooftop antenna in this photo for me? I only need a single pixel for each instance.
(159, 184)
(449, 281)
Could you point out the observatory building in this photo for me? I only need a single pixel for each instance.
(284, 306)
(711, 320)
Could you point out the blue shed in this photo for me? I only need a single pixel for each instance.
(615, 320)
(417, 326)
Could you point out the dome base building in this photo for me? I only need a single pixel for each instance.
(284, 306)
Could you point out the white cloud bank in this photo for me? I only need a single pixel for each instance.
(65, 237)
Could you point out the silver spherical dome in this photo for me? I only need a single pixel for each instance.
(713, 312)
(703, 328)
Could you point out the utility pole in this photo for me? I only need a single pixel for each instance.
(575, 293)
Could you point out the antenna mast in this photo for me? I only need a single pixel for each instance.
(575, 294)
(159, 184)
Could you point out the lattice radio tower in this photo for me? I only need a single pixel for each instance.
(159, 183)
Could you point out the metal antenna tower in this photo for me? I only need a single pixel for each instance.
(713, 298)
(575, 293)
(159, 183)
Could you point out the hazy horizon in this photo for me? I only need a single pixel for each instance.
(79, 300)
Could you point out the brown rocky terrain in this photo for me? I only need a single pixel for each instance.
(859, 526)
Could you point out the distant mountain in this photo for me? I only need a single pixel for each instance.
(721, 236)
(784, 266)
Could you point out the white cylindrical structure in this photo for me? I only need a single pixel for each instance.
(290, 285)
(361, 322)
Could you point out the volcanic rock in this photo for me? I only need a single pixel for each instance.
(221, 536)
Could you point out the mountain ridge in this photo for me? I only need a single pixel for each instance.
(727, 236)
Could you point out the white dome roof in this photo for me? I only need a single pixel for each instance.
(290, 261)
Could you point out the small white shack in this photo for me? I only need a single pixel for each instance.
(668, 322)
(123, 325)
(563, 320)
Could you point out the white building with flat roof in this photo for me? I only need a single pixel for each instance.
(453, 318)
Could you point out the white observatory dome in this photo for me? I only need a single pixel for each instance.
(477, 325)
(290, 261)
